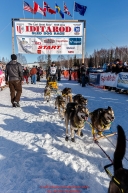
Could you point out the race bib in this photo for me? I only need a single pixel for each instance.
(53, 70)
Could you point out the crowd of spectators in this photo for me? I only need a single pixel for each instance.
(117, 67)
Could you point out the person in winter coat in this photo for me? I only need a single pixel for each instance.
(70, 73)
(14, 74)
(83, 71)
(33, 73)
(26, 74)
(59, 73)
(38, 74)
(52, 72)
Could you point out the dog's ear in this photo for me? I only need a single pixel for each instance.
(109, 108)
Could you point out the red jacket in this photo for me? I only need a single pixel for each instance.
(33, 71)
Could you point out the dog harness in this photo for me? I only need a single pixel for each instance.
(122, 188)
(100, 132)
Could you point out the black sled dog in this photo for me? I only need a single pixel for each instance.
(119, 182)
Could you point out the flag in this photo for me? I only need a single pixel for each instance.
(59, 11)
(80, 8)
(66, 10)
(27, 7)
(38, 9)
(48, 9)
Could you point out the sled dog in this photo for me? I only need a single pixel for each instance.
(60, 104)
(67, 94)
(101, 120)
(79, 99)
(77, 115)
(119, 182)
(47, 93)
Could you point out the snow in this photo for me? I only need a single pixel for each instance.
(34, 154)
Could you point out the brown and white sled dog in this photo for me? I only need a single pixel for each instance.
(76, 115)
(60, 104)
(47, 93)
(80, 99)
(67, 94)
(119, 182)
(101, 120)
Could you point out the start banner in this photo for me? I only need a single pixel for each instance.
(54, 45)
(2, 80)
(49, 28)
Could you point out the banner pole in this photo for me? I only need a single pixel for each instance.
(84, 36)
(63, 9)
(23, 10)
(73, 10)
(43, 9)
(13, 49)
(33, 9)
(55, 14)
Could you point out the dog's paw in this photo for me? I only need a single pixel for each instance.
(66, 138)
(81, 134)
(72, 139)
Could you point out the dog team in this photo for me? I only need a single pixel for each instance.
(75, 112)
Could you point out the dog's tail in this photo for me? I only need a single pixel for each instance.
(120, 149)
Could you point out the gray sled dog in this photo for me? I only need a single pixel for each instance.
(60, 104)
(80, 99)
(47, 93)
(67, 94)
(76, 115)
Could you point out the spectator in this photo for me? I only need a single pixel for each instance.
(83, 71)
(119, 67)
(41, 72)
(38, 74)
(33, 73)
(26, 74)
(59, 73)
(1, 72)
(14, 72)
(70, 73)
(78, 73)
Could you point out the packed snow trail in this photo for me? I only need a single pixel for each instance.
(33, 150)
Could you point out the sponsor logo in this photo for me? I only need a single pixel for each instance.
(76, 29)
(70, 47)
(49, 41)
(20, 28)
(75, 41)
(71, 52)
(27, 47)
(76, 34)
(58, 51)
(48, 29)
(49, 47)
(61, 40)
(38, 51)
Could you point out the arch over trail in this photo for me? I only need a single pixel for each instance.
(36, 36)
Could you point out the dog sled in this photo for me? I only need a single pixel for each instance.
(52, 83)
